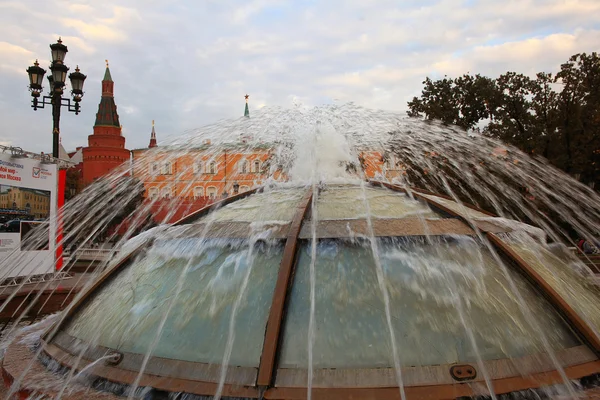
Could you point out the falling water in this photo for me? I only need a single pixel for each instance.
(90, 367)
(306, 147)
(231, 333)
(384, 293)
(163, 321)
(315, 166)
(467, 326)
(249, 260)
(532, 319)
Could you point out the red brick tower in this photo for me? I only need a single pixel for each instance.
(152, 137)
(106, 146)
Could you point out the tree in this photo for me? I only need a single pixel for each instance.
(545, 108)
(474, 94)
(511, 109)
(579, 107)
(460, 102)
(562, 126)
(437, 102)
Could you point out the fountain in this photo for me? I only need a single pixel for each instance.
(324, 282)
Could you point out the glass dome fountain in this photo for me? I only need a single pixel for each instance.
(332, 289)
(411, 297)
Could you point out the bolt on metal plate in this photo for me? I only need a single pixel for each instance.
(463, 372)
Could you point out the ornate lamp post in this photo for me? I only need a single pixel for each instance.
(57, 84)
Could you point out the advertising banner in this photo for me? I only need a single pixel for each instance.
(28, 209)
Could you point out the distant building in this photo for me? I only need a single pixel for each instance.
(209, 172)
(206, 171)
(25, 201)
(194, 178)
(376, 165)
(200, 176)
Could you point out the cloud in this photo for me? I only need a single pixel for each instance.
(528, 56)
(94, 30)
(75, 44)
(128, 109)
(91, 25)
(15, 59)
(377, 76)
(10, 50)
(242, 13)
(185, 64)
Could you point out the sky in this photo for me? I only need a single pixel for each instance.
(186, 64)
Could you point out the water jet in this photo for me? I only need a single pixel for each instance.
(333, 282)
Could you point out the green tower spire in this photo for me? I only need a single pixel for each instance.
(107, 76)
(107, 110)
(246, 111)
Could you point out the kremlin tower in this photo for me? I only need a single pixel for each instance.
(106, 146)
(152, 137)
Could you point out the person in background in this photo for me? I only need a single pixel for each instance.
(587, 247)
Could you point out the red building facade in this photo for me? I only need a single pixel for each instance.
(106, 146)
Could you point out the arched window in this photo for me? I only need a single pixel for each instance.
(211, 191)
(197, 167)
(244, 188)
(153, 193)
(243, 167)
(256, 166)
(212, 169)
(198, 192)
(167, 168)
(166, 193)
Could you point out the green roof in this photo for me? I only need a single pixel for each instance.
(107, 112)
(107, 76)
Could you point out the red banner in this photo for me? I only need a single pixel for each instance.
(62, 180)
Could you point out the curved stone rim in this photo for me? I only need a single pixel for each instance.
(64, 350)
(444, 390)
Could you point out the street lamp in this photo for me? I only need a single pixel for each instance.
(57, 83)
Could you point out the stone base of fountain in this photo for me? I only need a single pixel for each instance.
(39, 379)
(41, 382)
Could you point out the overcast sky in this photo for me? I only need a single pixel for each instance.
(189, 63)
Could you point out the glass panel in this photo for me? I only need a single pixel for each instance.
(351, 328)
(269, 206)
(564, 273)
(125, 314)
(348, 203)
